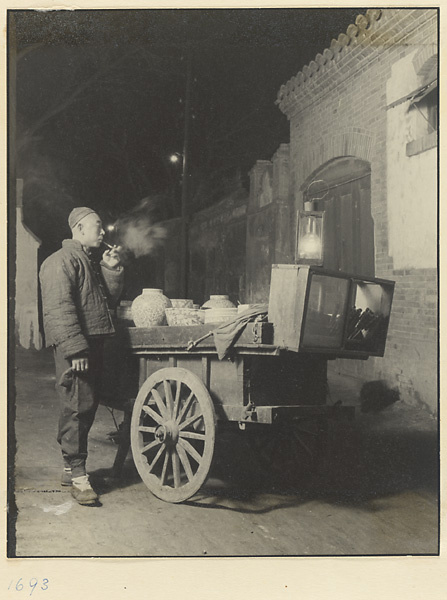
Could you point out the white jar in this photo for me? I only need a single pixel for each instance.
(148, 309)
(218, 301)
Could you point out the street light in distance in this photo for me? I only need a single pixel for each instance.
(175, 158)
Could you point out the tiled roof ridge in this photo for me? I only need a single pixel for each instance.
(360, 40)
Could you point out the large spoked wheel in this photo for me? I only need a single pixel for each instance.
(173, 433)
(292, 452)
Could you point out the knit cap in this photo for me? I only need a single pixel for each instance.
(77, 214)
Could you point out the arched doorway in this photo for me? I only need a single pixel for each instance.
(344, 185)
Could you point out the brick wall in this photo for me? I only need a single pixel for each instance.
(337, 106)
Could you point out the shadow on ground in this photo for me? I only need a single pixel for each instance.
(360, 466)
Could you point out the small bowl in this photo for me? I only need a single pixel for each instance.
(220, 315)
(184, 316)
(181, 303)
(242, 307)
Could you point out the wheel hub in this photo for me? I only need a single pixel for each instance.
(167, 433)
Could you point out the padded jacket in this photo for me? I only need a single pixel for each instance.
(77, 299)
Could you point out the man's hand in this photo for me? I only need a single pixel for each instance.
(112, 257)
(79, 364)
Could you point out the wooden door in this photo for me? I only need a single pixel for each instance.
(348, 224)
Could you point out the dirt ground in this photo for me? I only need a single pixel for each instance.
(376, 493)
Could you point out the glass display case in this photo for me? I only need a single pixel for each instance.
(316, 310)
(323, 324)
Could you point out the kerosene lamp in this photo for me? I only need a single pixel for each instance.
(309, 245)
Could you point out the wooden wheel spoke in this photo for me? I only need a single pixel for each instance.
(193, 435)
(185, 462)
(156, 458)
(190, 421)
(294, 457)
(152, 444)
(190, 450)
(185, 407)
(145, 429)
(303, 444)
(308, 432)
(275, 446)
(165, 468)
(161, 405)
(177, 399)
(151, 412)
(312, 434)
(175, 467)
(168, 397)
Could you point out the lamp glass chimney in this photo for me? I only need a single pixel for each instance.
(309, 246)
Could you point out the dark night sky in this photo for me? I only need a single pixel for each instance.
(100, 97)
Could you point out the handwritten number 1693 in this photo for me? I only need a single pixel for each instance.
(33, 584)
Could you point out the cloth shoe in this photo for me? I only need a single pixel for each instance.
(82, 491)
(66, 476)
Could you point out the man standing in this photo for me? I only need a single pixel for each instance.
(77, 295)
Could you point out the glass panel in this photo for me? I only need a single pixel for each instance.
(325, 314)
(310, 238)
(369, 316)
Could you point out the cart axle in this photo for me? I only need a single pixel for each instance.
(167, 433)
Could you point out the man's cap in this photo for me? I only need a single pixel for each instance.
(77, 214)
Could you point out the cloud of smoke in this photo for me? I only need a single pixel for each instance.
(137, 230)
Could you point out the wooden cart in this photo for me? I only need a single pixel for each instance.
(186, 393)
(185, 396)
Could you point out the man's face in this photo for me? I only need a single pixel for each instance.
(91, 231)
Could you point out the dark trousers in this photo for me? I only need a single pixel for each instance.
(79, 398)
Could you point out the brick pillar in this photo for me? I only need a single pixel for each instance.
(284, 236)
(256, 174)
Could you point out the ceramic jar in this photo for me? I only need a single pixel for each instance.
(218, 301)
(148, 309)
